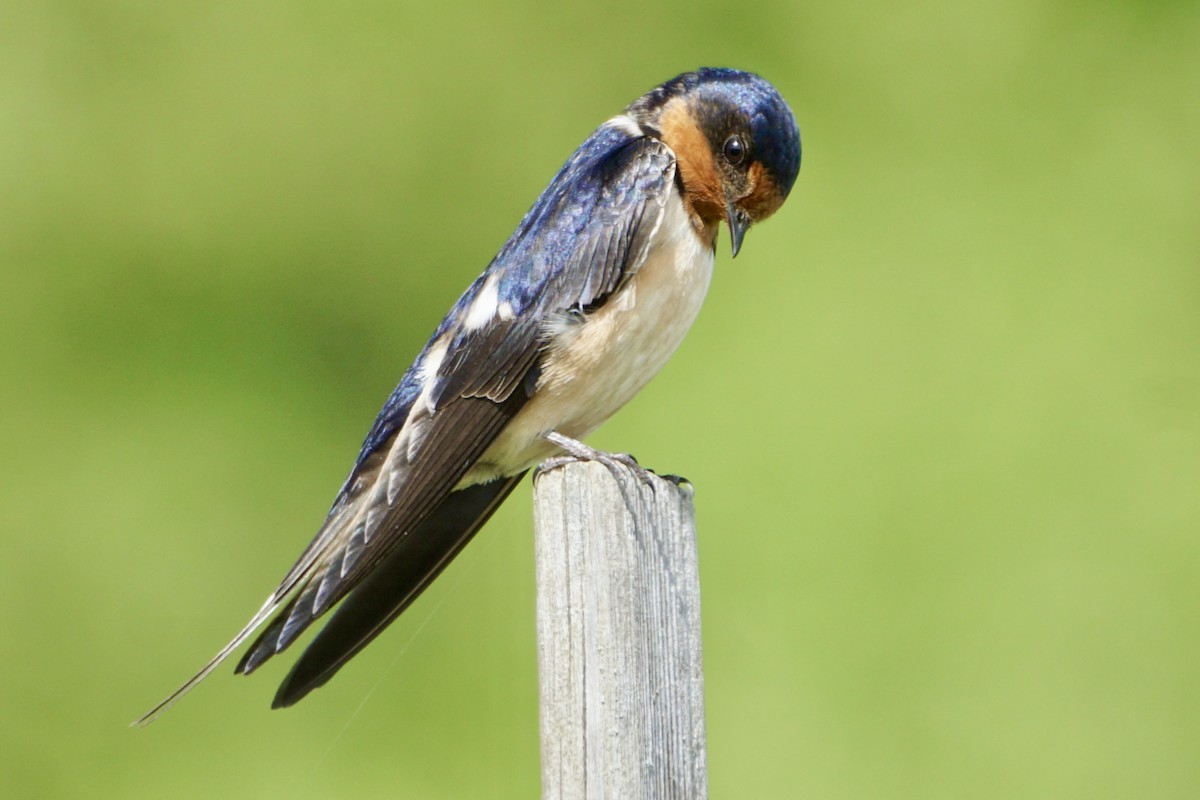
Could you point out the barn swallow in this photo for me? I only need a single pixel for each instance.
(577, 312)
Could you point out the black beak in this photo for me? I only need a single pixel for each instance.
(739, 222)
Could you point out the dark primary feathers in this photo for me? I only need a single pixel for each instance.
(388, 590)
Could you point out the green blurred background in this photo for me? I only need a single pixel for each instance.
(941, 413)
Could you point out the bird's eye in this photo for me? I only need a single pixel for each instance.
(735, 151)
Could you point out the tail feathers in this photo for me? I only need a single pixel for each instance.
(370, 607)
(303, 610)
(267, 643)
(388, 590)
(268, 608)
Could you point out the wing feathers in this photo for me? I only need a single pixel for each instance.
(393, 586)
(465, 428)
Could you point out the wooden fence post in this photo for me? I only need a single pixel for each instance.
(618, 618)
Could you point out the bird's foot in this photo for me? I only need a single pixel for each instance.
(619, 465)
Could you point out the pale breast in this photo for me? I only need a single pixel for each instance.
(596, 365)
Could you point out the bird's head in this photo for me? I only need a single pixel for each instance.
(735, 140)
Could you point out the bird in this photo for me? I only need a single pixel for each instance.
(580, 308)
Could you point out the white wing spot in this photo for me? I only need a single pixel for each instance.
(432, 363)
(623, 122)
(483, 307)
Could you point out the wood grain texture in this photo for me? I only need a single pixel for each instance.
(619, 652)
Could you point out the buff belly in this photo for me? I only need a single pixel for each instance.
(595, 366)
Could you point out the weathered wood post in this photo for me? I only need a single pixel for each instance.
(618, 618)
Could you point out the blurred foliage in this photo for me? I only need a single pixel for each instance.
(942, 412)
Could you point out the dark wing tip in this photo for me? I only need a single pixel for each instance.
(392, 586)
